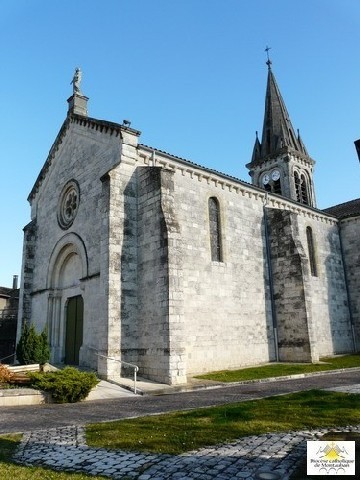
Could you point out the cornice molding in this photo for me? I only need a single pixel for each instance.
(156, 158)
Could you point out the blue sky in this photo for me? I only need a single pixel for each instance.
(190, 74)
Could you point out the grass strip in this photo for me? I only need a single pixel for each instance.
(283, 369)
(181, 432)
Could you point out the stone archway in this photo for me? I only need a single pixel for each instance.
(68, 265)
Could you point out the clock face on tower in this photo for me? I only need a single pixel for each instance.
(266, 179)
(275, 175)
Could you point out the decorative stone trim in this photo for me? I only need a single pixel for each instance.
(198, 173)
(91, 123)
(68, 204)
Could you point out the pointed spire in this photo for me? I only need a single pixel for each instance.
(257, 149)
(278, 132)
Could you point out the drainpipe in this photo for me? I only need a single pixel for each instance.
(271, 282)
(347, 289)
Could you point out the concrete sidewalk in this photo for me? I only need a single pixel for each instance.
(106, 390)
(148, 387)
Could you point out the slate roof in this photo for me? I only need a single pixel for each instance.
(9, 292)
(194, 165)
(278, 135)
(344, 210)
(5, 292)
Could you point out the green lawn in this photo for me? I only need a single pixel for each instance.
(283, 369)
(10, 471)
(180, 432)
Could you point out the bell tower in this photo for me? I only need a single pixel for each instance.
(280, 163)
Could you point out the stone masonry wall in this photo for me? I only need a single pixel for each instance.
(310, 308)
(84, 154)
(153, 288)
(290, 272)
(174, 241)
(350, 234)
(226, 307)
(326, 292)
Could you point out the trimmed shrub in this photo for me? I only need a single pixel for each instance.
(66, 386)
(33, 348)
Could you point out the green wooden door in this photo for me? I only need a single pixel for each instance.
(74, 330)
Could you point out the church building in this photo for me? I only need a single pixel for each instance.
(137, 255)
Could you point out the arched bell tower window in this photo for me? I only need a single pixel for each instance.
(301, 188)
(311, 250)
(215, 230)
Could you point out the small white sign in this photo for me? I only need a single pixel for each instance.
(330, 457)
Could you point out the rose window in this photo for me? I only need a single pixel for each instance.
(68, 204)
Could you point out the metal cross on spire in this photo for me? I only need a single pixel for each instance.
(268, 63)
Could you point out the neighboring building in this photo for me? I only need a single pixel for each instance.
(137, 254)
(9, 305)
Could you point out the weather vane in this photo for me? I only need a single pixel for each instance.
(268, 63)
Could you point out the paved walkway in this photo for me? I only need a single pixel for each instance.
(269, 456)
(249, 458)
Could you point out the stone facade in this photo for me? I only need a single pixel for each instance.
(125, 228)
(350, 234)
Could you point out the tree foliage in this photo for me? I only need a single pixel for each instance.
(33, 347)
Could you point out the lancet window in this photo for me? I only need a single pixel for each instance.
(311, 250)
(215, 230)
(301, 188)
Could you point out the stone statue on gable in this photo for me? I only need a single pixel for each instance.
(76, 82)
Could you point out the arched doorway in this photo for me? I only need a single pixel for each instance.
(67, 268)
(74, 329)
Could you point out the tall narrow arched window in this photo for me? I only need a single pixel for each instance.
(297, 185)
(301, 188)
(311, 249)
(215, 230)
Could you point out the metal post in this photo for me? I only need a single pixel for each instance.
(135, 372)
(135, 367)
